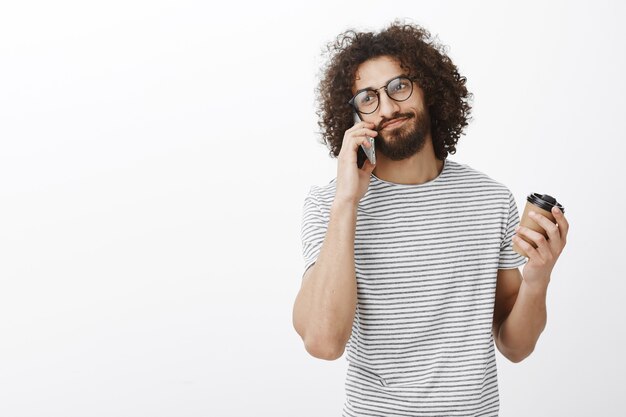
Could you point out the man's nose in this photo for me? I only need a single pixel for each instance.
(388, 107)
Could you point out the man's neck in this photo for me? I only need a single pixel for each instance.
(418, 169)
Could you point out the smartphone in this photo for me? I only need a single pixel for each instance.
(363, 151)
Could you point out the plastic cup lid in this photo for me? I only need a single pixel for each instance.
(544, 201)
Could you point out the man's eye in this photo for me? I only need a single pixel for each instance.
(400, 86)
(367, 98)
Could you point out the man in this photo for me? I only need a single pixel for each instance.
(409, 262)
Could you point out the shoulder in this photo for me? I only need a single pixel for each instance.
(323, 194)
(480, 180)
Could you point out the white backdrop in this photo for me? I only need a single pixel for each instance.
(154, 159)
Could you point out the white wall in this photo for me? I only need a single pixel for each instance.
(154, 158)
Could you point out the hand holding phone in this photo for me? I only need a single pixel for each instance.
(353, 181)
(365, 152)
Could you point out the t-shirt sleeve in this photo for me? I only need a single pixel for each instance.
(510, 259)
(314, 226)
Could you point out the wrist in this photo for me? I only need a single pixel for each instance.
(536, 288)
(343, 204)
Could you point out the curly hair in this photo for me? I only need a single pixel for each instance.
(446, 96)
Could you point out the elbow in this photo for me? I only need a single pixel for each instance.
(321, 347)
(322, 344)
(324, 349)
(516, 356)
(515, 351)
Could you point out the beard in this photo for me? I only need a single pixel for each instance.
(406, 140)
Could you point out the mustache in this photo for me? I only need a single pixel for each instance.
(393, 117)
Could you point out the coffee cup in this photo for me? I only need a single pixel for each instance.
(541, 204)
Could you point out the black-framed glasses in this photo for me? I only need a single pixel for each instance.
(366, 101)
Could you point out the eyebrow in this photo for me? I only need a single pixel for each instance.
(384, 85)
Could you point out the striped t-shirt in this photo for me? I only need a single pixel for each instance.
(426, 259)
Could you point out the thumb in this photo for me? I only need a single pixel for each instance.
(368, 166)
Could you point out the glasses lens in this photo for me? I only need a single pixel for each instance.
(400, 89)
(366, 101)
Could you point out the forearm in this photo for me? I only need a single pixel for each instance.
(520, 331)
(325, 306)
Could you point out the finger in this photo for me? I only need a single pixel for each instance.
(366, 141)
(364, 123)
(350, 145)
(361, 125)
(356, 141)
(552, 230)
(543, 246)
(562, 222)
(526, 247)
(364, 131)
(368, 167)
